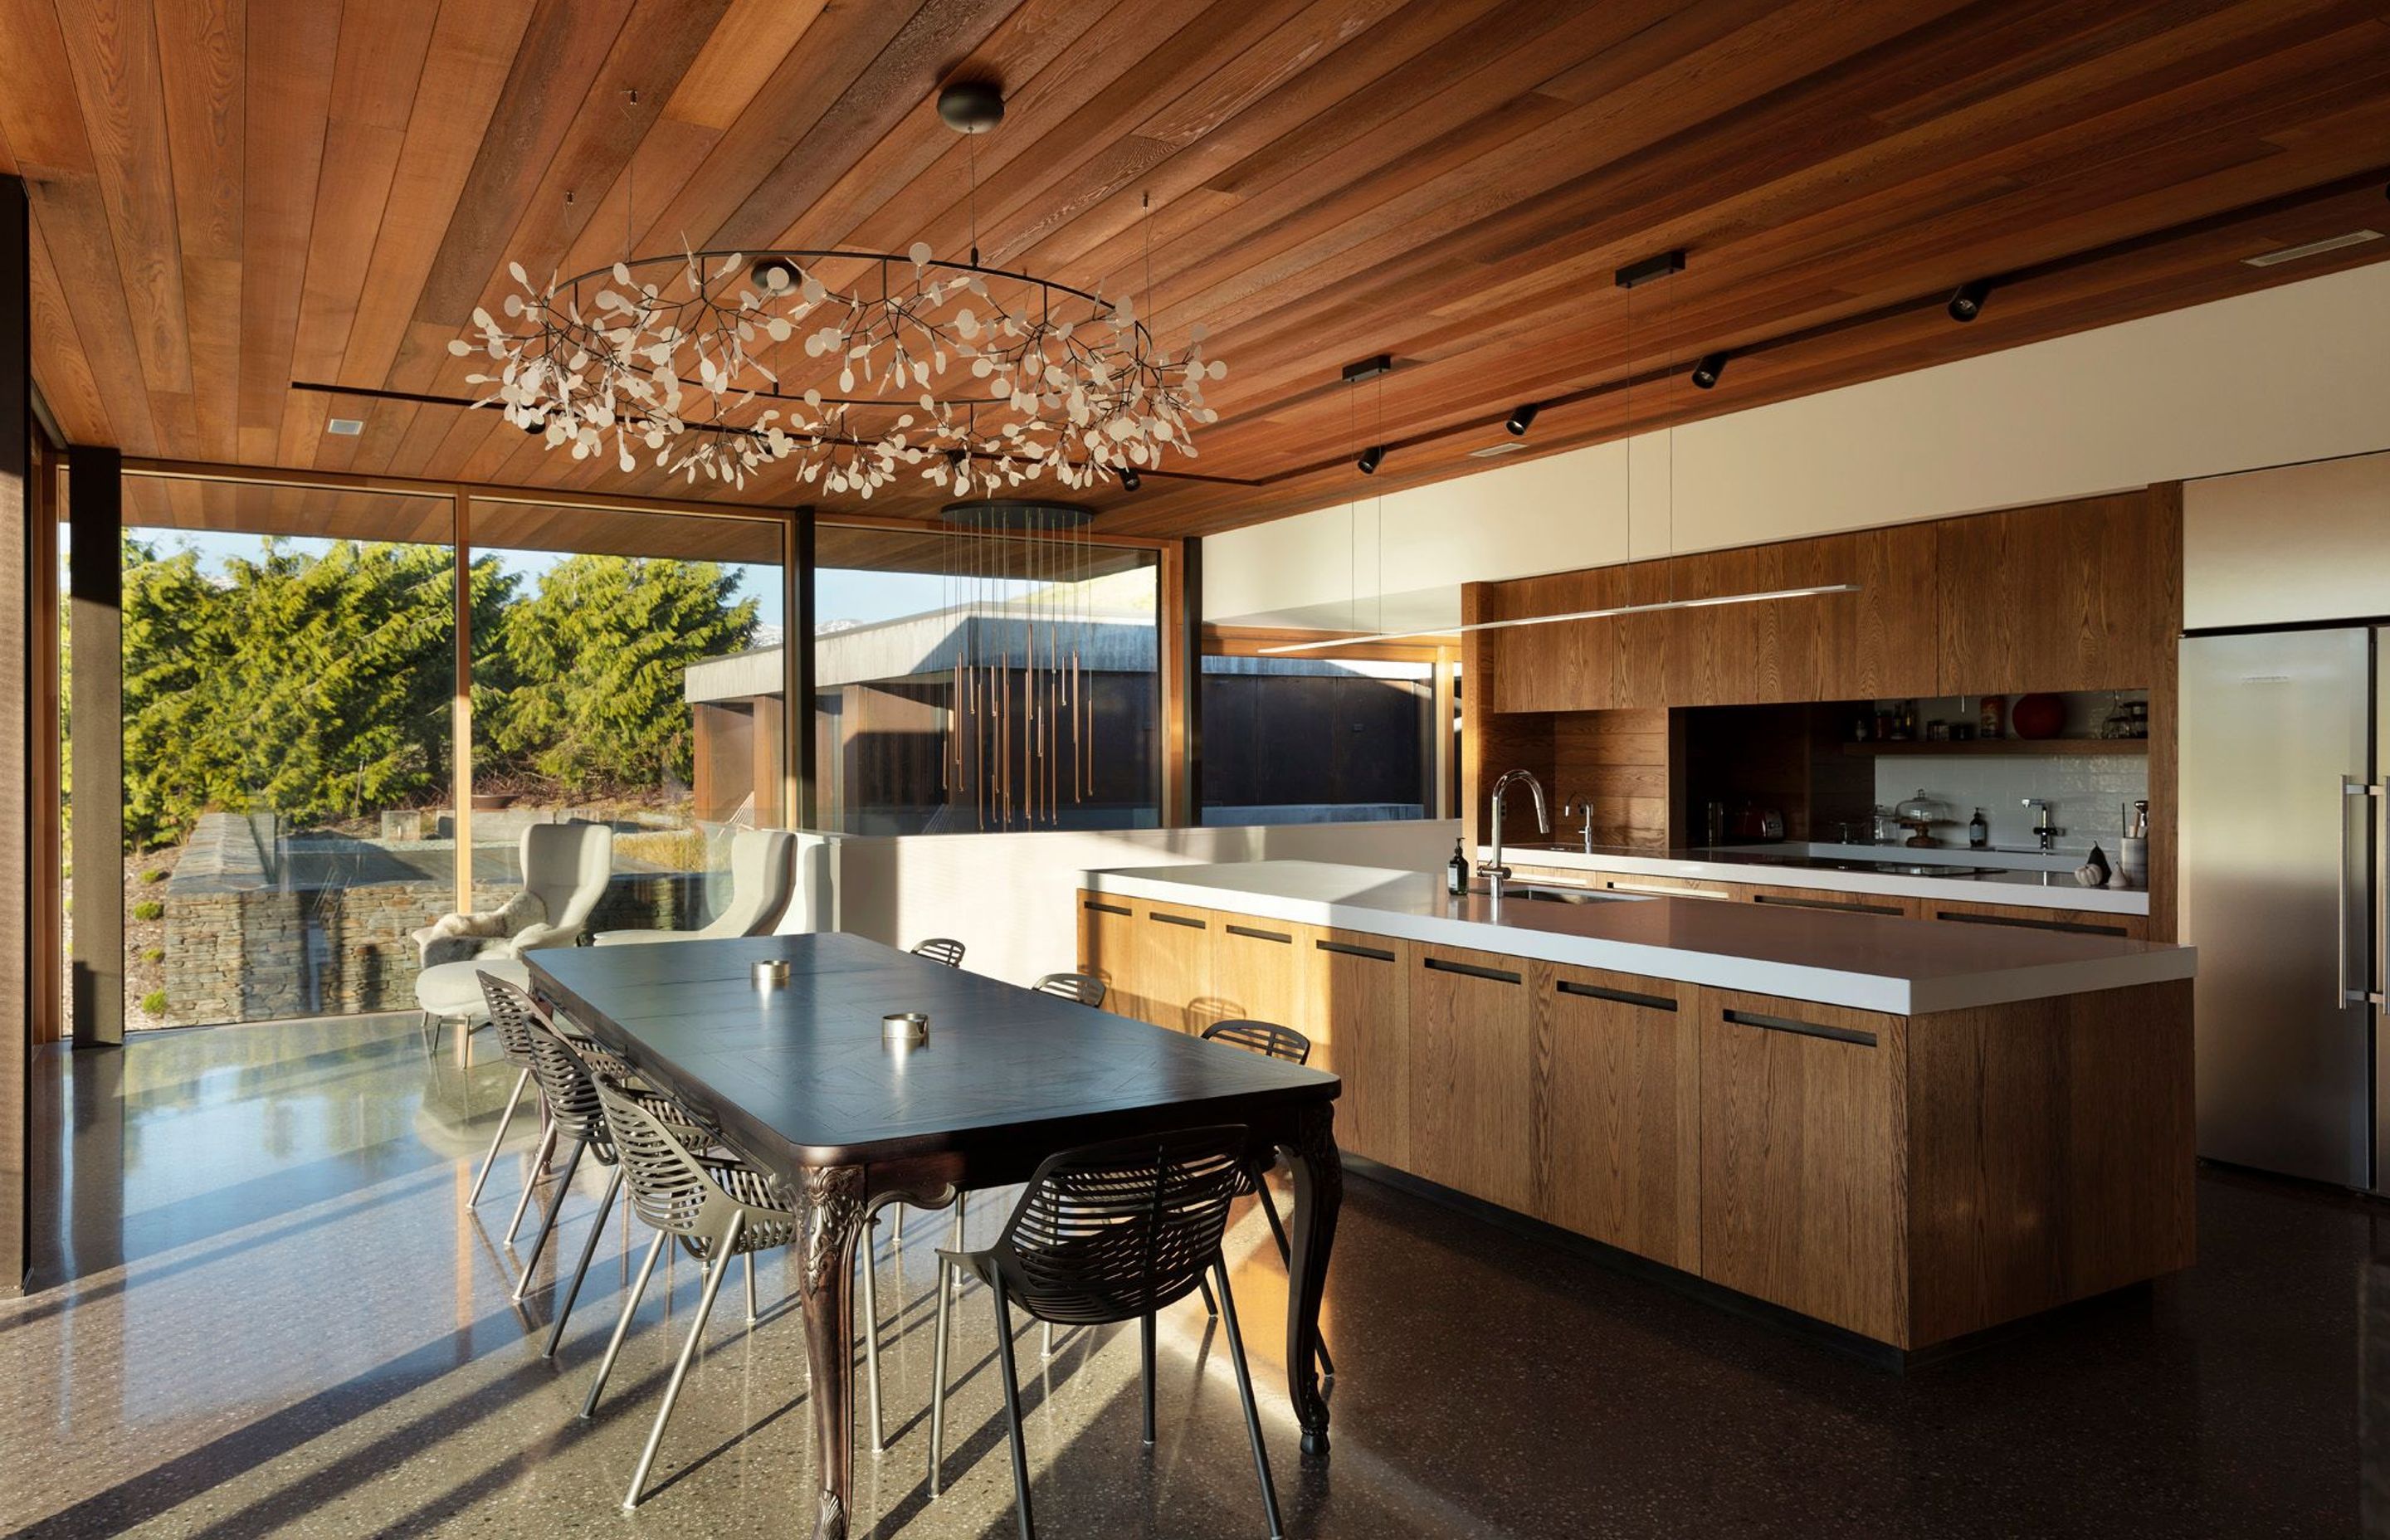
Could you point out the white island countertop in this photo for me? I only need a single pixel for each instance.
(1865, 962)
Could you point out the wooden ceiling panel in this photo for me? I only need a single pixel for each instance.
(233, 197)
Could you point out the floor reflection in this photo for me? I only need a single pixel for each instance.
(268, 1310)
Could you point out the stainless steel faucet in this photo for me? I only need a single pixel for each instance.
(2045, 832)
(1584, 811)
(1494, 871)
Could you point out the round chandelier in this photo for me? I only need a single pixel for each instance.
(976, 378)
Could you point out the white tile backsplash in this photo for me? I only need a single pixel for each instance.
(2085, 789)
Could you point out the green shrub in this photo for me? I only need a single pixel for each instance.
(149, 908)
(153, 954)
(156, 873)
(154, 1003)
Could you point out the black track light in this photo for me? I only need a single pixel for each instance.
(537, 425)
(1370, 460)
(777, 275)
(1706, 372)
(1130, 481)
(1968, 303)
(1521, 418)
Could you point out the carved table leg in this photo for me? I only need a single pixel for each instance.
(830, 1200)
(1319, 1193)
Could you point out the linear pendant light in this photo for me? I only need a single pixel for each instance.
(1570, 615)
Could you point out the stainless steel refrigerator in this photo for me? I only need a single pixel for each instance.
(2285, 745)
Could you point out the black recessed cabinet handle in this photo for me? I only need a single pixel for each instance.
(1346, 949)
(1803, 1029)
(1105, 909)
(1250, 934)
(2073, 928)
(1497, 975)
(1180, 920)
(1619, 997)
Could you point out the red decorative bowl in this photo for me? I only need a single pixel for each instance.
(2036, 716)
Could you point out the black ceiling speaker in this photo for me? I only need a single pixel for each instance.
(972, 106)
(1968, 303)
(1706, 372)
(1130, 480)
(1521, 418)
(1371, 459)
(766, 270)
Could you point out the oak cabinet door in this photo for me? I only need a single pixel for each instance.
(1259, 973)
(1615, 1129)
(1471, 1029)
(1108, 950)
(1803, 1129)
(1361, 1031)
(1174, 964)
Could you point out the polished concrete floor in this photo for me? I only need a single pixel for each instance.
(266, 1309)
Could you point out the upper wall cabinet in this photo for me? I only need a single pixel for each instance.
(2081, 596)
(1877, 641)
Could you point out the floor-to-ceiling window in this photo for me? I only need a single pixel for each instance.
(288, 672)
(971, 682)
(1325, 736)
(627, 671)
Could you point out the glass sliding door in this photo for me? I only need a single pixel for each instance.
(289, 667)
(967, 683)
(627, 673)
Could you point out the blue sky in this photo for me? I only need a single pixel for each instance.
(840, 594)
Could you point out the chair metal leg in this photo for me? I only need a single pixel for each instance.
(1144, 1342)
(938, 1386)
(1012, 1408)
(872, 1330)
(1286, 1255)
(750, 1260)
(581, 1270)
(1045, 1342)
(1245, 1390)
(548, 1225)
(622, 1327)
(897, 1229)
(1211, 1305)
(713, 1277)
(506, 1121)
(955, 1242)
(530, 1183)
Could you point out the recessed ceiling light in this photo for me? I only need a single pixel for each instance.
(348, 427)
(2313, 248)
(1493, 449)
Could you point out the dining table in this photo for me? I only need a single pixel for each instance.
(798, 1074)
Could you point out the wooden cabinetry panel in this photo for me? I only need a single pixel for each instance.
(2080, 595)
(1173, 962)
(1469, 1037)
(2081, 922)
(1804, 1121)
(2052, 1154)
(1260, 971)
(1885, 640)
(1108, 938)
(1615, 1125)
(1361, 1011)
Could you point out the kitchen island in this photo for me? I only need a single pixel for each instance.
(1907, 1130)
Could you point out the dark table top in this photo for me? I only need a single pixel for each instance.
(803, 1067)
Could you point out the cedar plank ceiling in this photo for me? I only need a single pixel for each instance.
(229, 198)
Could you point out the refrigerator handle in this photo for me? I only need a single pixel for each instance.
(2365, 994)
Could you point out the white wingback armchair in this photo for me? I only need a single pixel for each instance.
(759, 877)
(565, 868)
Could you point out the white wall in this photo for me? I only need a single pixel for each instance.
(2300, 372)
(1012, 899)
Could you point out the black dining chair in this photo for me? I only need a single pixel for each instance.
(1083, 988)
(940, 949)
(1105, 1234)
(1273, 1041)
